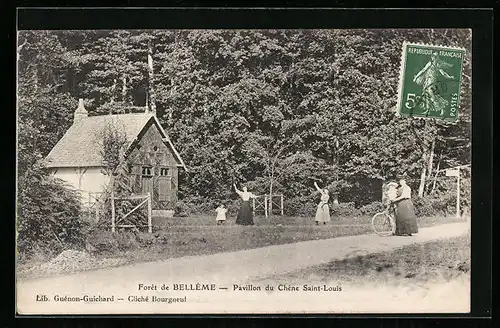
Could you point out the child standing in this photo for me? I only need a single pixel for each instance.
(221, 214)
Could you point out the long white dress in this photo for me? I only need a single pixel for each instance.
(323, 211)
(392, 194)
(221, 214)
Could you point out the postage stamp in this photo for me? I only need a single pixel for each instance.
(430, 81)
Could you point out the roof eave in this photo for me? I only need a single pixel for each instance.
(68, 166)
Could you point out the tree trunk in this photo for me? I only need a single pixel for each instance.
(124, 88)
(431, 157)
(428, 129)
(112, 200)
(169, 113)
(423, 175)
(271, 181)
(151, 92)
(436, 174)
(113, 90)
(336, 167)
(35, 79)
(431, 160)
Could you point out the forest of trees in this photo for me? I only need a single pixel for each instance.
(274, 109)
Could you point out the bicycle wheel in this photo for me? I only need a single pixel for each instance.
(381, 224)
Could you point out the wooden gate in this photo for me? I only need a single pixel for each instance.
(265, 203)
(146, 201)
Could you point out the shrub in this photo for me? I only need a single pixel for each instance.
(103, 240)
(126, 240)
(49, 214)
(145, 238)
(181, 209)
(429, 206)
(372, 208)
(300, 206)
(233, 207)
(197, 205)
(162, 237)
(344, 209)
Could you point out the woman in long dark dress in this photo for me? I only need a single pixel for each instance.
(245, 214)
(406, 220)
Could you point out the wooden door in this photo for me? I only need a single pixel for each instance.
(147, 180)
(164, 189)
(147, 185)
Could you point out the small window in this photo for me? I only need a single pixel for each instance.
(163, 171)
(147, 171)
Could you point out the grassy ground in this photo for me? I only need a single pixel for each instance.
(199, 235)
(206, 220)
(437, 261)
(198, 240)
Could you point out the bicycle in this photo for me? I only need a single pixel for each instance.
(383, 223)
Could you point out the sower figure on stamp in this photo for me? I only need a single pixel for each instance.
(245, 214)
(323, 211)
(406, 220)
(428, 78)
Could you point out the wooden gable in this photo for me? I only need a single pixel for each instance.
(153, 165)
(150, 149)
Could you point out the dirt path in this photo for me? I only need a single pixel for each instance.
(223, 269)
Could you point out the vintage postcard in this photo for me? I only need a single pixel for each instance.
(243, 171)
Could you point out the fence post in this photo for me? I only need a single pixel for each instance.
(253, 206)
(265, 206)
(113, 211)
(97, 205)
(281, 204)
(150, 228)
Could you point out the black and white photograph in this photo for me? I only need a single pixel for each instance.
(260, 171)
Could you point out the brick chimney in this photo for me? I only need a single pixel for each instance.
(80, 112)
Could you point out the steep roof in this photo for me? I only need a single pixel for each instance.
(80, 145)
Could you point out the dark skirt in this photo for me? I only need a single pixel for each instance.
(245, 215)
(406, 220)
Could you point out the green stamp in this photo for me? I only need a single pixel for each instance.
(430, 80)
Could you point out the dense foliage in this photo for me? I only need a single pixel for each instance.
(49, 218)
(48, 211)
(274, 109)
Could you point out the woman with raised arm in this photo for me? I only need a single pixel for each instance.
(323, 211)
(245, 214)
(406, 220)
